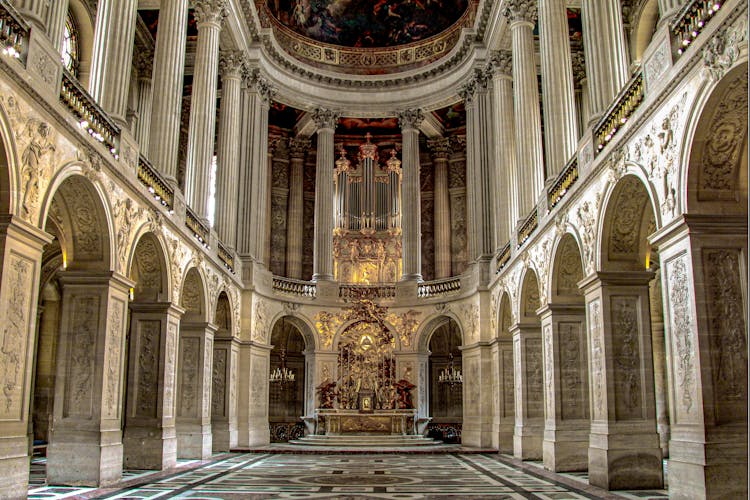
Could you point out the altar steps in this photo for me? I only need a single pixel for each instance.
(366, 441)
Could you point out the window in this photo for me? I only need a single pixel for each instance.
(70, 46)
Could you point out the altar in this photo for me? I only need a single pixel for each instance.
(337, 421)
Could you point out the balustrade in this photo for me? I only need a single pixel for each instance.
(200, 230)
(620, 111)
(529, 225)
(436, 288)
(157, 186)
(563, 183)
(14, 32)
(353, 291)
(691, 20)
(291, 286)
(503, 257)
(225, 256)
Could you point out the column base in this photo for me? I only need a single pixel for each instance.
(527, 441)
(476, 433)
(150, 448)
(717, 470)
(14, 467)
(257, 433)
(82, 459)
(224, 436)
(566, 450)
(194, 441)
(625, 461)
(502, 437)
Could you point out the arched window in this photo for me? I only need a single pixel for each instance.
(70, 46)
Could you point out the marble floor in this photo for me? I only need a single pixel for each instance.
(394, 476)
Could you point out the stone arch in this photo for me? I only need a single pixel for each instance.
(223, 315)
(286, 400)
(347, 324)
(567, 270)
(432, 323)
(505, 317)
(8, 165)
(643, 28)
(529, 300)
(299, 322)
(716, 174)
(445, 400)
(77, 211)
(193, 297)
(149, 269)
(629, 218)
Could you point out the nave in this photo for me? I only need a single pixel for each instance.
(351, 476)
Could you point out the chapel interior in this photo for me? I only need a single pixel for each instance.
(509, 234)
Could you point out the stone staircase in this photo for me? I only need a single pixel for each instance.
(366, 440)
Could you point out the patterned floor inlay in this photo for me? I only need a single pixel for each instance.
(395, 476)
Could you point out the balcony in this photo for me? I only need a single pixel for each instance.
(14, 33)
(299, 288)
(439, 288)
(155, 183)
(691, 20)
(620, 112)
(528, 226)
(563, 183)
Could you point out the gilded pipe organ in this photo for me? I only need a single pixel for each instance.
(367, 236)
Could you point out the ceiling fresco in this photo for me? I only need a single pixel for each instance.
(367, 23)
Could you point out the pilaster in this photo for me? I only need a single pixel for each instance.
(477, 427)
(253, 394)
(224, 392)
(529, 386)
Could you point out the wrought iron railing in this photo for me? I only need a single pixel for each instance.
(157, 186)
(200, 230)
(563, 183)
(291, 286)
(225, 256)
(355, 291)
(503, 257)
(528, 226)
(436, 288)
(91, 117)
(691, 20)
(618, 114)
(14, 32)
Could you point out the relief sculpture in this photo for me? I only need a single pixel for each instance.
(13, 345)
(626, 353)
(682, 332)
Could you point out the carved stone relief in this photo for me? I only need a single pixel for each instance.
(81, 360)
(470, 316)
(597, 360)
(572, 371)
(192, 294)
(147, 366)
(13, 345)
(85, 219)
(260, 321)
(169, 370)
(549, 372)
(127, 214)
(723, 49)
(682, 326)
(207, 370)
(588, 214)
(114, 348)
(626, 357)
(569, 271)
(627, 215)
(727, 332)
(508, 382)
(189, 376)
(148, 269)
(218, 401)
(534, 378)
(472, 388)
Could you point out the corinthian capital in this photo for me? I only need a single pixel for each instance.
(325, 118)
(410, 119)
(440, 148)
(298, 147)
(501, 62)
(231, 64)
(522, 10)
(264, 89)
(477, 83)
(210, 11)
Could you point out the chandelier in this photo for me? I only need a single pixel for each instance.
(450, 375)
(282, 375)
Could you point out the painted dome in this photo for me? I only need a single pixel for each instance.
(367, 23)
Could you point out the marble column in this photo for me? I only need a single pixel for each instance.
(209, 15)
(224, 393)
(194, 377)
(298, 149)
(169, 67)
(254, 189)
(273, 145)
(33, 11)
(411, 247)
(324, 220)
(530, 164)
(479, 178)
(624, 450)
(505, 169)
(702, 267)
(252, 414)
(606, 53)
(560, 123)
(111, 61)
(566, 416)
(86, 446)
(21, 246)
(149, 438)
(529, 385)
(581, 90)
(441, 151)
(57, 14)
(144, 63)
(228, 161)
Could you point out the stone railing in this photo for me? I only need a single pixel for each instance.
(619, 112)
(503, 257)
(14, 32)
(529, 225)
(157, 186)
(200, 230)
(355, 291)
(225, 256)
(437, 288)
(690, 21)
(291, 286)
(91, 117)
(563, 182)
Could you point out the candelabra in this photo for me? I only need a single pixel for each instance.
(450, 375)
(282, 375)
